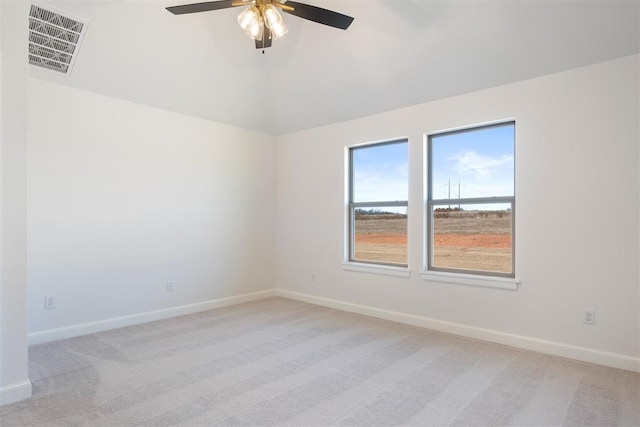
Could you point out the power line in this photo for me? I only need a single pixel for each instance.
(456, 194)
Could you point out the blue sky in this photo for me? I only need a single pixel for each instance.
(482, 161)
(381, 173)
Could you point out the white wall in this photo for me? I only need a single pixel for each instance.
(124, 197)
(14, 384)
(577, 215)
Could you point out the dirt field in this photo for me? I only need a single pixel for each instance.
(381, 238)
(464, 240)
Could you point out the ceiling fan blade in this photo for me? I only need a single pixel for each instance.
(201, 7)
(266, 40)
(319, 15)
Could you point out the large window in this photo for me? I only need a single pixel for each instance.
(377, 207)
(471, 201)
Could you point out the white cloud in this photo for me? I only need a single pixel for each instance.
(385, 183)
(472, 163)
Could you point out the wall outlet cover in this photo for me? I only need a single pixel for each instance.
(589, 317)
(49, 302)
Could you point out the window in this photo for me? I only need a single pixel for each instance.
(377, 205)
(471, 201)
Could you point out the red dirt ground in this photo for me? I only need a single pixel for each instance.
(455, 240)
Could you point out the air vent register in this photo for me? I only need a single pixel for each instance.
(54, 39)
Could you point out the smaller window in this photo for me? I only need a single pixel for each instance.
(378, 200)
(471, 201)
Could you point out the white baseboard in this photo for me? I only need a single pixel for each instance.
(543, 346)
(549, 347)
(135, 319)
(15, 392)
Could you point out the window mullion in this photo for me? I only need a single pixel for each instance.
(473, 201)
(394, 203)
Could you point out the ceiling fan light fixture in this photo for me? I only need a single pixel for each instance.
(278, 30)
(273, 19)
(250, 20)
(261, 19)
(256, 29)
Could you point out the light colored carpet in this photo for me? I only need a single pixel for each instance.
(281, 362)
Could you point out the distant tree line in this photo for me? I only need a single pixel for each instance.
(364, 214)
(373, 212)
(461, 213)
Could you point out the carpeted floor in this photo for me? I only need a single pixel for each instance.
(281, 362)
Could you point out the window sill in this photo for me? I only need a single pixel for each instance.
(386, 270)
(472, 280)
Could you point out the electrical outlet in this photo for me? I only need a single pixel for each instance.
(313, 277)
(49, 302)
(170, 285)
(589, 317)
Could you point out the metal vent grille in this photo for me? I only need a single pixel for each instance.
(53, 39)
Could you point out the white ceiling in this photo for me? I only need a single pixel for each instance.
(395, 54)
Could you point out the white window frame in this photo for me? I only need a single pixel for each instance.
(457, 275)
(350, 263)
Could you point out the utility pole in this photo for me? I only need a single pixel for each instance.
(456, 193)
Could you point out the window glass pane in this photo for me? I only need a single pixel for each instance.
(473, 163)
(472, 237)
(380, 235)
(380, 172)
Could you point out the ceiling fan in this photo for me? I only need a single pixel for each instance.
(261, 20)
